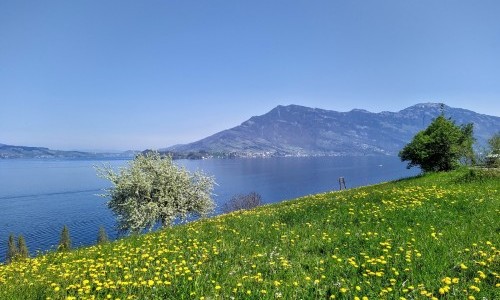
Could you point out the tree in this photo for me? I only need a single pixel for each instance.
(493, 158)
(152, 190)
(467, 155)
(65, 241)
(12, 250)
(494, 143)
(22, 248)
(440, 147)
(102, 237)
(238, 202)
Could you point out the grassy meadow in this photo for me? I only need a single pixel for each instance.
(432, 237)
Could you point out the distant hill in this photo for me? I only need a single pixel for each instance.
(295, 130)
(10, 151)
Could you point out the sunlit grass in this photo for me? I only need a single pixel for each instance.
(433, 237)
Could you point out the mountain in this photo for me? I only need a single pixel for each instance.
(10, 151)
(295, 130)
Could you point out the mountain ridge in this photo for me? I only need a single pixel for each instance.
(295, 130)
(13, 152)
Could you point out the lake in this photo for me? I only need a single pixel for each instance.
(38, 197)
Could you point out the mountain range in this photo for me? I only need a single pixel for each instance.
(11, 151)
(295, 130)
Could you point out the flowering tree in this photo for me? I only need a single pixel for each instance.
(152, 190)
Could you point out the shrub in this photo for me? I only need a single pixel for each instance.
(102, 236)
(65, 241)
(241, 201)
(12, 250)
(22, 248)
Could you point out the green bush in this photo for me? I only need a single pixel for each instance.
(493, 158)
(102, 236)
(65, 241)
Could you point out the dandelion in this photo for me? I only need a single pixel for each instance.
(474, 288)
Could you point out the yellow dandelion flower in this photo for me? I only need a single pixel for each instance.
(474, 288)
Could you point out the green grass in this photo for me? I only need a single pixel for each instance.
(435, 236)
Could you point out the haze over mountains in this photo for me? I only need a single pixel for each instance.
(295, 130)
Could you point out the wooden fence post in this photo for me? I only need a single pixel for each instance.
(342, 183)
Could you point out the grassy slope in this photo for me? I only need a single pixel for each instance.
(433, 236)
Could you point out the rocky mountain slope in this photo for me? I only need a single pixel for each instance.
(303, 131)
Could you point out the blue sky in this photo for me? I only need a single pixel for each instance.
(120, 75)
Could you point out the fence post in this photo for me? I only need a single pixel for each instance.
(342, 183)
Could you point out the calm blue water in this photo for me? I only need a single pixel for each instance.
(38, 197)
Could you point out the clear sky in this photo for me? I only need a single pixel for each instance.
(117, 75)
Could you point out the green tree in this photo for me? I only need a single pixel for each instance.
(65, 241)
(12, 250)
(467, 155)
(493, 157)
(22, 248)
(102, 236)
(152, 190)
(440, 147)
(494, 143)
